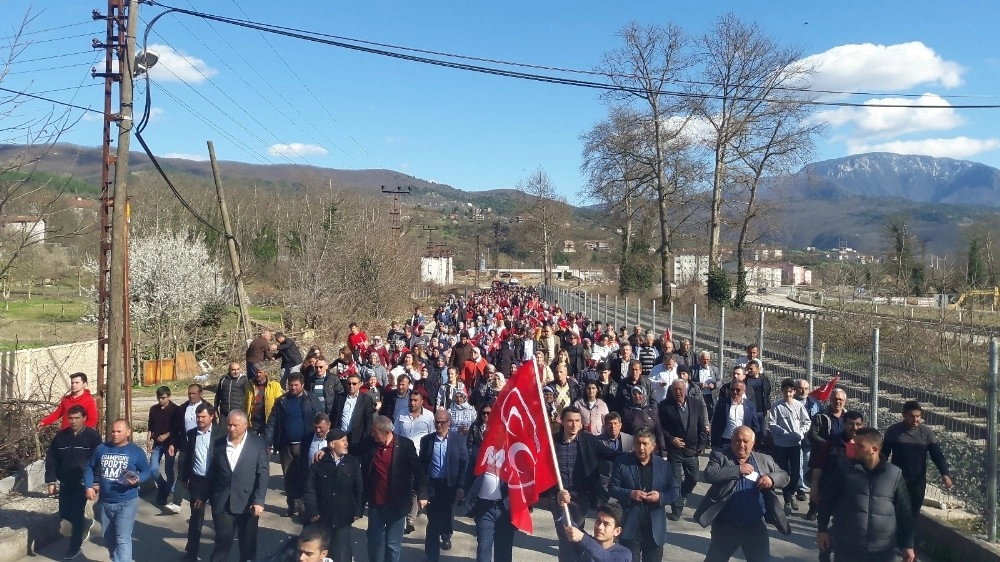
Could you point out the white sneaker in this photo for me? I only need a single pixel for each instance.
(88, 524)
(172, 508)
(65, 528)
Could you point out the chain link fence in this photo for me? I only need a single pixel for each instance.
(882, 363)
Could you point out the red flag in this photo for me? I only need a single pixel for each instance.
(823, 393)
(517, 445)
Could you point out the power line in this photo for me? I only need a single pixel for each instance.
(37, 31)
(50, 100)
(316, 38)
(319, 104)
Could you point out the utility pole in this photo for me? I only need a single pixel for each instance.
(477, 261)
(113, 310)
(234, 256)
(395, 222)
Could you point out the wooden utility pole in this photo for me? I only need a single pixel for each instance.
(119, 342)
(234, 257)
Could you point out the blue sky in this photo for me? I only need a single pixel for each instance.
(280, 100)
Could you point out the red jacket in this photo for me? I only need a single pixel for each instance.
(86, 400)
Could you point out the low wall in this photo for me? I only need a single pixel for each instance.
(43, 373)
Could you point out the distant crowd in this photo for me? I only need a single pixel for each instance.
(392, 426)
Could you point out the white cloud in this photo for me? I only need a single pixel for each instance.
(155, 113)
(296, 149)
(957, 147)
(393, 140)
(873, 121)
(186, 156)
(882, 67)
(176, 66)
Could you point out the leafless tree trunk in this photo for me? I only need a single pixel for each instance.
(547, 209)
(648, 66)
(746, 70)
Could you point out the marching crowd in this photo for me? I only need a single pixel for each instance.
(392, 426)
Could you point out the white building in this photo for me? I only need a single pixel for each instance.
(437, 268)
(31, 228)
(792, 274)
(763, 276)
(690, 269)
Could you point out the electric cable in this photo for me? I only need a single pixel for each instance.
(316, 38)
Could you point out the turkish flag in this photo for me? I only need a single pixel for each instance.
(823, 393)
(517, 446)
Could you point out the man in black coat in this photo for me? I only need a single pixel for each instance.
(353, 412)
(682, 418)
(444, 458)
(578, 454)
(334, 494)
(393, 476)
(288, 352)
(194, 470)
(236, 487)
(66, 459)
(867, 497)
(291, 419)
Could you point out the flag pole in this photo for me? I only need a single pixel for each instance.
(552, 444)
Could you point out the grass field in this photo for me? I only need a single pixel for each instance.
(51, 316)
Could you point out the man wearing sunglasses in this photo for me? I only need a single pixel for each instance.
(732, 412)
(353, 412)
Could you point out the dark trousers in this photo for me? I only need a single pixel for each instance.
(439, 517)
(727, 538)
(290, 458)
(686, 472)
(862, 556)
(340, 544)
(228, 526)
(644, 547)
(494, 532)
(790, 460)
(197, 488)
(72, 504)
(917, 491)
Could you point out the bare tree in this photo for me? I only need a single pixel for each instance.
(26, 197)
(651, 62)
(615, 157)
(545, 208)
(748, 74)
(781, 141)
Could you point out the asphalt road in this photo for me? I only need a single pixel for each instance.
(161, 536)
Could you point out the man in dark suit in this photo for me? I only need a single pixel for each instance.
(741, 498)
(197, 453)
(353, 412)
(578, 453)
(644, 484)
(236, 486)
(614, 439)
(682, 418)
(444, 458)
(731, 412)
(334, 494)
(394, 475)
(290, 423)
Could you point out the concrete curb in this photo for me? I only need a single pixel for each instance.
(25, 541)
(31, 477)
(945, 543)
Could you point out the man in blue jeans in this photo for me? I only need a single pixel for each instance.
(394, 477)
(116, 470)
(161, 422)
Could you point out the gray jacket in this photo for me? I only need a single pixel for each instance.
(789, 423)
(723, 471)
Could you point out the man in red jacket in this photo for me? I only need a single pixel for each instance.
(78, 395)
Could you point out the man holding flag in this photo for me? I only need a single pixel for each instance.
(515, 463)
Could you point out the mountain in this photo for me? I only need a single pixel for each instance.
(922, 179)
(845, 200)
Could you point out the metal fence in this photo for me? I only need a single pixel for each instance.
(807, 344)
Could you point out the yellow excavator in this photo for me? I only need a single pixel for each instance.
(994, 292)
